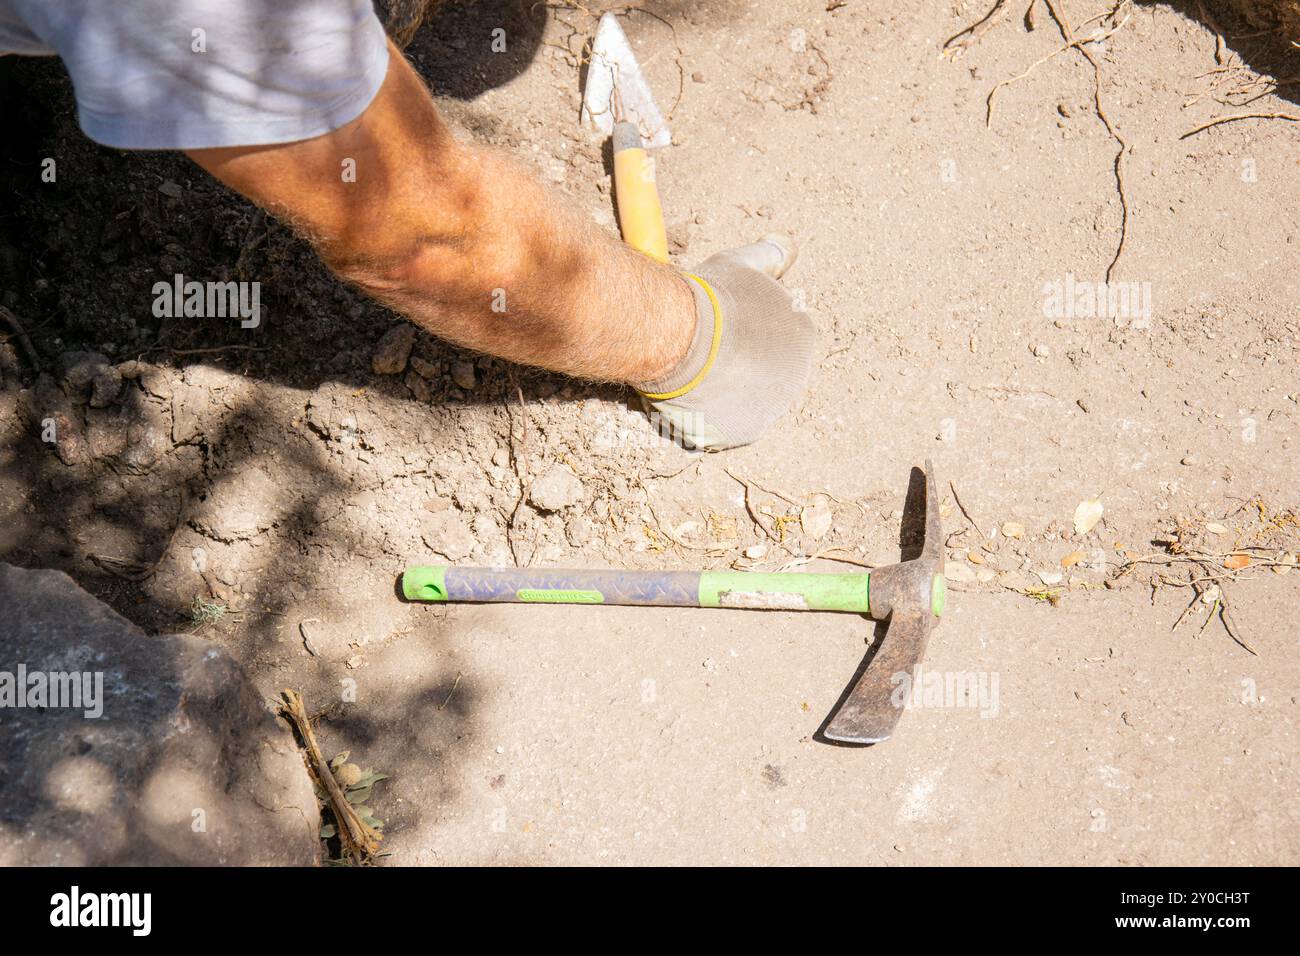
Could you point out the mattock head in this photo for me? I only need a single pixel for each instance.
(911, 596)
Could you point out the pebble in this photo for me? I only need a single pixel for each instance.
(419, 387)
(958, 572)
(578, 531)
(424, 368)
(556, 490)
(462, 373)
(393, 350)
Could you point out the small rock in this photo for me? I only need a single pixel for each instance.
(462, 373)
(1013, 529)
(448, 534)
(419, 387)
(557, 489)
(1189, 460)
(170, 189)
(78, 371)
(1087, 514)
(179, 726)
(501, 458)
(1040, 350)
(155, 381)
(697, 77)
(105, 387)
(393, 350)
(55, 420)
(424, 368)
(755, 551)
(1049, 577)
(958, 573)
(578, 531)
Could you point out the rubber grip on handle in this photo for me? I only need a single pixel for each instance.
(551, 586)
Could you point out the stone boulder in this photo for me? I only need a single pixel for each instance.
(168, 755)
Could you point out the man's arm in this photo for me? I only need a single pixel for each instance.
(442, 231)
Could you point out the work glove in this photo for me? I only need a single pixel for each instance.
(751, 355)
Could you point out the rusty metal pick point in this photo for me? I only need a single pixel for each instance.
(911, 596)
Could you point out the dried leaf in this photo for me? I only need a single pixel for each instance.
(340, 760)
(1087, 515)
(1235, 562)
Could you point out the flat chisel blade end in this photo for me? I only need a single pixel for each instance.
(849, 731)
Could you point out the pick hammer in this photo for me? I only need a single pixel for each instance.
(910, 595)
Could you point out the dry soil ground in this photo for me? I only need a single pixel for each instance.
(931, 245)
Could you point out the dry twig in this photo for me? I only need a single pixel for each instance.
(360, 841)
(20, 334)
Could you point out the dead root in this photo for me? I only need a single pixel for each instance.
(19, 333)
(518, 461)
(1208, 577)
(1240, 116)
(130, 570)
(359, 840)
(960, 42)
(1108, 24)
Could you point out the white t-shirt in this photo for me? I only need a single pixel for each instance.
(189, 74)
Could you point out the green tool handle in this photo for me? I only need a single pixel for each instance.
(737, 589)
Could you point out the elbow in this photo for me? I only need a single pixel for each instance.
(438, 241)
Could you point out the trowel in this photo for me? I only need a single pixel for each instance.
(617, 101)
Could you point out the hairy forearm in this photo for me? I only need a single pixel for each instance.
(465, 242)
(491, 261)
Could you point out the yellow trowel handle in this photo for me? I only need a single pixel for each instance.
(640, 217)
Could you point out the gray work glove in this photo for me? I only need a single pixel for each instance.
(751, 355)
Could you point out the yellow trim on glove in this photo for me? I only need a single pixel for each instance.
(713, 347)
